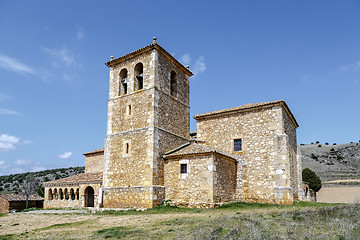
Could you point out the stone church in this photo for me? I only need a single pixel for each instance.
(246, 153)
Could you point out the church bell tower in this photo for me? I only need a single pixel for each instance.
(148, 114)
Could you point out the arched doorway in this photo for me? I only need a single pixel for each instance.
(89, 197)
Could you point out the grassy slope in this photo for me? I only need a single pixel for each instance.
(235, 221)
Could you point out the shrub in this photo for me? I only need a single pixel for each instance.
(313, 180)
(326, 143)
(339, 157)
(41, 191)
(314, 157)
(317, 142)
(332, 150)
(319, 145)
(334, 143)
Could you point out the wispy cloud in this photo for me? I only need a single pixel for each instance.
(199, 65)
(37, 169)
(22, 162)
(15, 65)
(64, 155)
(185, 59)
(9, 112)
(355, 66)
(7, 142)
(80, 33)
(27, 142)
(64, 55)
(3, 165)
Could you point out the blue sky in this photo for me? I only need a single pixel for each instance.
(54, 84)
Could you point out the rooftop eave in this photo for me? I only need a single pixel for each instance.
(232, 111)
(147, 49)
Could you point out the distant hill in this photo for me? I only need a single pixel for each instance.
(11, 183)
(332, 162)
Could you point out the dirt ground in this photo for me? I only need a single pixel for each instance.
(339, 195)
(32, 222)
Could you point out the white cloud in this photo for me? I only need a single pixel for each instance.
(185, 59)
(22, 162)
(199, 65)
(80, 33)
(37, 169)
(65, 155)
(8, 142)
(7, 146)
(8, 138)
(8, 112)
(355, 66)
(3, 165)
(64, 55)
(27, 142)
(14, 65)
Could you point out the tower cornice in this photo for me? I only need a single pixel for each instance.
(148, 48)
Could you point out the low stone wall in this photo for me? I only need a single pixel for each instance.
(62, 204)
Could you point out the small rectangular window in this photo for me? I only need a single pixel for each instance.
(183, 168)
(237, 145)
(127, 148)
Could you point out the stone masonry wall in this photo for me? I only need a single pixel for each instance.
(94, 162)
(224, 179)
(134, 168)
(290, 131)
(195, 187)
(57, 203)
(163, 142)
(4, 205)
(257, 129)
(163, 73)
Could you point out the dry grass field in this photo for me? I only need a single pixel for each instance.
(234, 221)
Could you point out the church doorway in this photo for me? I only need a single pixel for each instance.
(89, 197)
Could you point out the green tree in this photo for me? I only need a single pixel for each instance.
(313, 180)
(41, 191)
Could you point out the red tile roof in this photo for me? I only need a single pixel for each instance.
(21, 197)
(76, 179)
(247, 107)
(95, 151)
(197, 149)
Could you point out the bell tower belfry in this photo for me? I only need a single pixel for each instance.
(148, 114)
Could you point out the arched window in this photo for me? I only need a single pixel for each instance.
(123, 82)
(139, 83)
(173, 84)
(50, 194)
(72, 194)
(77, 194)
(66, 193)
(61, 194)
(56, 196)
